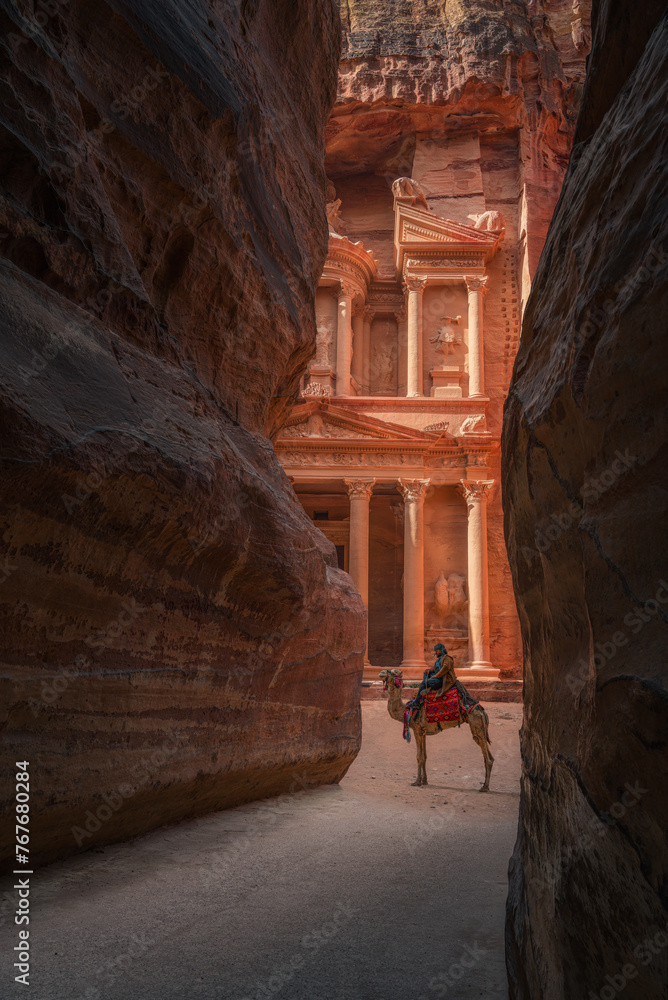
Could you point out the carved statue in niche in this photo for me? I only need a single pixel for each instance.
(445, 339)
(324, 338)
(457, 591)
(333, 209)
(315, 426)
(406, 187)
(475, 420)
(488, 222)
(383, 360)
(450, 598)
(442, 595)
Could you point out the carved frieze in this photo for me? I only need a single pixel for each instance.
(316, 427)
(316, 390)
(446, 260)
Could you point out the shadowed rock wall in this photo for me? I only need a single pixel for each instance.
(176, 635)
(585, 516)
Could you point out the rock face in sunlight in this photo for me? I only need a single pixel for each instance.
(177, 636)
(475, 100)
(585, 507)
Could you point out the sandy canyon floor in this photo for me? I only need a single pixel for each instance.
(371, 890)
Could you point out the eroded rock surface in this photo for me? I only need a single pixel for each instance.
(476, 100)
(585, 505)
(176, 634)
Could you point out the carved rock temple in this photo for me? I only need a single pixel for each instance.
(393, 447)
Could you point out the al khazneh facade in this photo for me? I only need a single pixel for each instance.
(393, 448)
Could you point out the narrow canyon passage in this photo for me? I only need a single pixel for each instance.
(364, 891)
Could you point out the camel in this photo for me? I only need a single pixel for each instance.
(477, 720)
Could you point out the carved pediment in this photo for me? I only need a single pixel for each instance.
(416, 226)
(317, 426)
(321, 420)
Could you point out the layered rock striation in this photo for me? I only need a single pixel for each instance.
(476, 100)
(176, 634)
(585, 515)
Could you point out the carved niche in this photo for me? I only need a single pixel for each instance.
(323, 344)
(450, 598)
(384, 358)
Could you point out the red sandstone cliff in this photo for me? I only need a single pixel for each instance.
(585, 491)
(176, 635)
(477, 101)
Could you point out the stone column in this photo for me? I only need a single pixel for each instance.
(344, 335)
(413, 491)
(400, 316)
(367, 315)
(415, 288)
(359, 491)
(476, 288)
(358, 345)
(475, 493)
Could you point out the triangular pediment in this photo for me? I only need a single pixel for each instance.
(419, 227)
(319, 420)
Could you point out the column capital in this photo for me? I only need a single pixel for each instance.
(360, 487)
(368, 313)
(472, 489)
(358, 308)
(400, 315)
(413, 283)
(475, 283)
(346, 288)
(413, 490)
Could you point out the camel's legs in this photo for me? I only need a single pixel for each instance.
(478, 724)
(421, 748)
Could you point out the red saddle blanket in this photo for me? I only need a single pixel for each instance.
(449, 708)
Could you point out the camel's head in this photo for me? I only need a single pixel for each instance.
(391, 677)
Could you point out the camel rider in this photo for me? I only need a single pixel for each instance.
(442, 676)
(445, 667)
